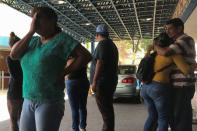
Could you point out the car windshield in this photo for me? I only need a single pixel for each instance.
(126, 70)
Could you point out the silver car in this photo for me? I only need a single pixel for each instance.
(127, 82)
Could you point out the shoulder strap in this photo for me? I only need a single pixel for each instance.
(165, 67)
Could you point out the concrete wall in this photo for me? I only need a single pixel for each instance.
(3, 67)
(191, 30)
(191, 25)
(3, 55)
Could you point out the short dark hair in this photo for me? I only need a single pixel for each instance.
(176, 22)
(104, 35)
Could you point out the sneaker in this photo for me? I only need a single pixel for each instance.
(82, 129)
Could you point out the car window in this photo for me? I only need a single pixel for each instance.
(126, 70)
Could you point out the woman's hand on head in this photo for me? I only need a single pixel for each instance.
(33, 24)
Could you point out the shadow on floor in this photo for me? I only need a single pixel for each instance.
(129, 100)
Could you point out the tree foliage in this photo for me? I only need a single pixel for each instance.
(145, 43)
(136, 47)
(131, 50)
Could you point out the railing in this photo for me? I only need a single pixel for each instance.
(2, 80)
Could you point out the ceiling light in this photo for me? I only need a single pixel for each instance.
(148, 19)
(59, 2)
(87, 23)
(145, 19)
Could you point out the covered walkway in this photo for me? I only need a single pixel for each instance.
(129, 116)
(127, 20)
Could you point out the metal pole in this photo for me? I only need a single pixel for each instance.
(2, 80)
(92, 47)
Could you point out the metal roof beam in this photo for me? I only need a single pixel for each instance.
(157, 15)
(137, 18)
(154, 16)
(73, 32)
(103, 11)
(164, 6)
(121, 20)
(104, 19)
(146, 7)
(80, 13)
(160, 9)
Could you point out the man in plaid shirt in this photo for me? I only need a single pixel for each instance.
(183, 85)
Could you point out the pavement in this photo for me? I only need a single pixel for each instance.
(129, 116)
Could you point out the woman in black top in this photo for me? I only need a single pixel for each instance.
(77, 86)
(14, 94)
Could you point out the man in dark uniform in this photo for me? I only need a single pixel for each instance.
(104, 75)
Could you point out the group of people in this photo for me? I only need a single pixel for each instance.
(168, 96)
(38, 66)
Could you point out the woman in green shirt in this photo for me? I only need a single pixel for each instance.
(43, 60)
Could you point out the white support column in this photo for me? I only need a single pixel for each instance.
(2, 80)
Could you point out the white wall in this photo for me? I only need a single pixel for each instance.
(191, 25)
(191, 30)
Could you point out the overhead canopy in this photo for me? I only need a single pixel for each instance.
(126, 19)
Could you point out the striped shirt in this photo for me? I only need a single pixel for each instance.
(185, 46)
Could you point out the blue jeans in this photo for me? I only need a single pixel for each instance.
(77, 90)
(156, 98)
(38, 116)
